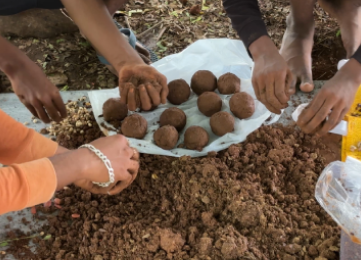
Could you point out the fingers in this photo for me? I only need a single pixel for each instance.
(31, 109)
(319, 117)
(59, 104)
(41, 112)
(120, 186)
(153, 92)
(133, 167)
(144, 98)
(280, 88)
(164, 92)
(124, 89)
(270, 95)
(290, 84)
(132, 103)
(332, 120)
(308, 113)
(136, 155)
(52, 111)
(263, 96)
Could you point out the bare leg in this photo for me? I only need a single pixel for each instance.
(297, 42)
(348, 14)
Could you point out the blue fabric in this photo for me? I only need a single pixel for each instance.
(132, 41)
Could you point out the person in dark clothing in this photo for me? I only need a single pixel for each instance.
(276, 72)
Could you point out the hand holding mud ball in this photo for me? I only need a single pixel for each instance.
(142, 86)
(123, 159)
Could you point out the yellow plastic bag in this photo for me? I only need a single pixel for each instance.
(351, 144)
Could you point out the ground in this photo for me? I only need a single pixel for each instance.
(168, 27)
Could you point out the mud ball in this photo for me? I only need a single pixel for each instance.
(203, 81)
(195, 138)
(209, 103)
(134, 126)
(179, 91)
(222, 123)
(173, 116)
(113, 110)
(166, 137)
(242, 105)
(229, 84)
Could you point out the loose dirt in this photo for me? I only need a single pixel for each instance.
(252, 201)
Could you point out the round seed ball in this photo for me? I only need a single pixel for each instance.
(202, 81)
(222, 123)
(113, 110)
(242, 105)
(209, 103)
(173, 116)
(228, 84)
(166, 137)
(134, 126)
(179, 91)
(195, 138)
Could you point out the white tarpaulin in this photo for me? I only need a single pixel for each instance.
(217, 55)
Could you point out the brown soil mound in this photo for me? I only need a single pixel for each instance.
(252, 201)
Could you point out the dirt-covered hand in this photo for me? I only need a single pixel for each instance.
(142, 86)
(38, 94)
(272, 81)
(123, 159)
(332, 102)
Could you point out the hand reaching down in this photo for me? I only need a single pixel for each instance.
(142, 86)
(38, 94)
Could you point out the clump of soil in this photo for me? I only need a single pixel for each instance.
(175, 117)
(166, 137)
(242, 105)
(222, 123)
(114, 110)
(78, 128)
(253, 200)
(203, 81)
(228, 84)
(209, 103)
(134, 126)
(195, 138)
(179, 91)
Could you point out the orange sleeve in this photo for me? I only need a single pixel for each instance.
(20, 144)
(27, 184)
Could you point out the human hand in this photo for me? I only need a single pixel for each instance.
(333, 101)
(272, 80)
(38, 94)
(142, 86)
(123, 159)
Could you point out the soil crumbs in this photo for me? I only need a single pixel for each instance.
(252, 201)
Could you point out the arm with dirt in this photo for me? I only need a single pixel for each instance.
(140, 85)
(30, 84)
(272, 80)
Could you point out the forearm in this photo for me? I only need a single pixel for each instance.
(95, 22)
(70, 166)
(20, 144)
(246, 19)
(11, 58)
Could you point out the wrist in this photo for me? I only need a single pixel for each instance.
(352, 71)
(261, 46)
(128, 63)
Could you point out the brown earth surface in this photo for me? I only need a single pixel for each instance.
(167, 27)
(252, 201)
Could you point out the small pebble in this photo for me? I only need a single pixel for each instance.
(35, 121)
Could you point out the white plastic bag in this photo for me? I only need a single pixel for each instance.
(338, 190)
(217, 55)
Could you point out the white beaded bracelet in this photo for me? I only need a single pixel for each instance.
(106, 163)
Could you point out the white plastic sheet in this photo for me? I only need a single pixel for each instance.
(217, 55)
